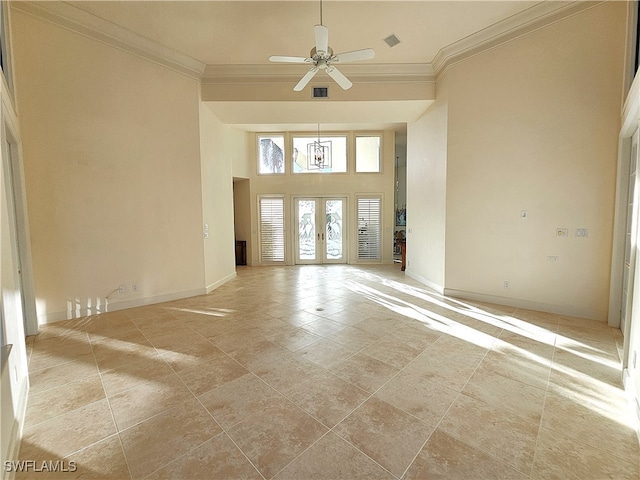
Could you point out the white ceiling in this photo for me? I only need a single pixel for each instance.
(243, 34)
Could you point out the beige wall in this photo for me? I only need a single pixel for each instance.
(222, 147)
(112, 165)
(532, 125)
(426, 194)
(346, 185)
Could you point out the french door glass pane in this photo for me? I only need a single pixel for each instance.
(307, 229)
(333, 210)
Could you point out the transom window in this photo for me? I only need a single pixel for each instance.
(319, 154)
(368, 153)
(271, 154)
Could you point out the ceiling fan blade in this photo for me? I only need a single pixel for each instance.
(285, 59)
(322, 38)
(339, 78)
(355, 56)
(304, 80)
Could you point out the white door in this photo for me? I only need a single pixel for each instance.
(320, 235)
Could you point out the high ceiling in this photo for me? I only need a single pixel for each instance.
(237, 37)
(248, 32)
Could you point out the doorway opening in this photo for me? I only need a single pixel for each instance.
(242, 220)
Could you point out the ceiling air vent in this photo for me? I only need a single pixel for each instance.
(320, 92)
(392, 40)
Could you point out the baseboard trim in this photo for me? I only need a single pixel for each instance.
(210, 288)
(528, 304)
(114, 305)
(429, 283)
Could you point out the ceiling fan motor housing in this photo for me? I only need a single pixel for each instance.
(315, 56)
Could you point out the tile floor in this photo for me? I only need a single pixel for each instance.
(329, 372)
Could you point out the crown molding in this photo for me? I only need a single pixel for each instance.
(534, 18)
(89, 25)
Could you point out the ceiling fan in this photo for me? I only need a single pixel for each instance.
(322, 58)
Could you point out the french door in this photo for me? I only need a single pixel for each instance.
(321, 233)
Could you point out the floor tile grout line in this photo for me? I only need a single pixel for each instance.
(459, 393)
(549, 393)
(110, 412)
(462, 393)
(63, 413)
(329, 429)
(443, 415)
(175, 407)
(489, 454)
(226, 430)
(417, 454)
(371, 395)
(243, 453)
(113, 418)
(175, 460)
(66, 383)
(535, 449)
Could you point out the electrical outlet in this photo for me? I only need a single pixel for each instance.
(134, 287)
(122, 289)
(582, 232)
(562, 232)
(552, 258)
(523, 214)
(506, 284)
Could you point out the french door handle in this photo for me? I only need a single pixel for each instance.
(323, 237)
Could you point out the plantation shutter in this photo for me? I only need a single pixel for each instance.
(369, 228)
(272, 229)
